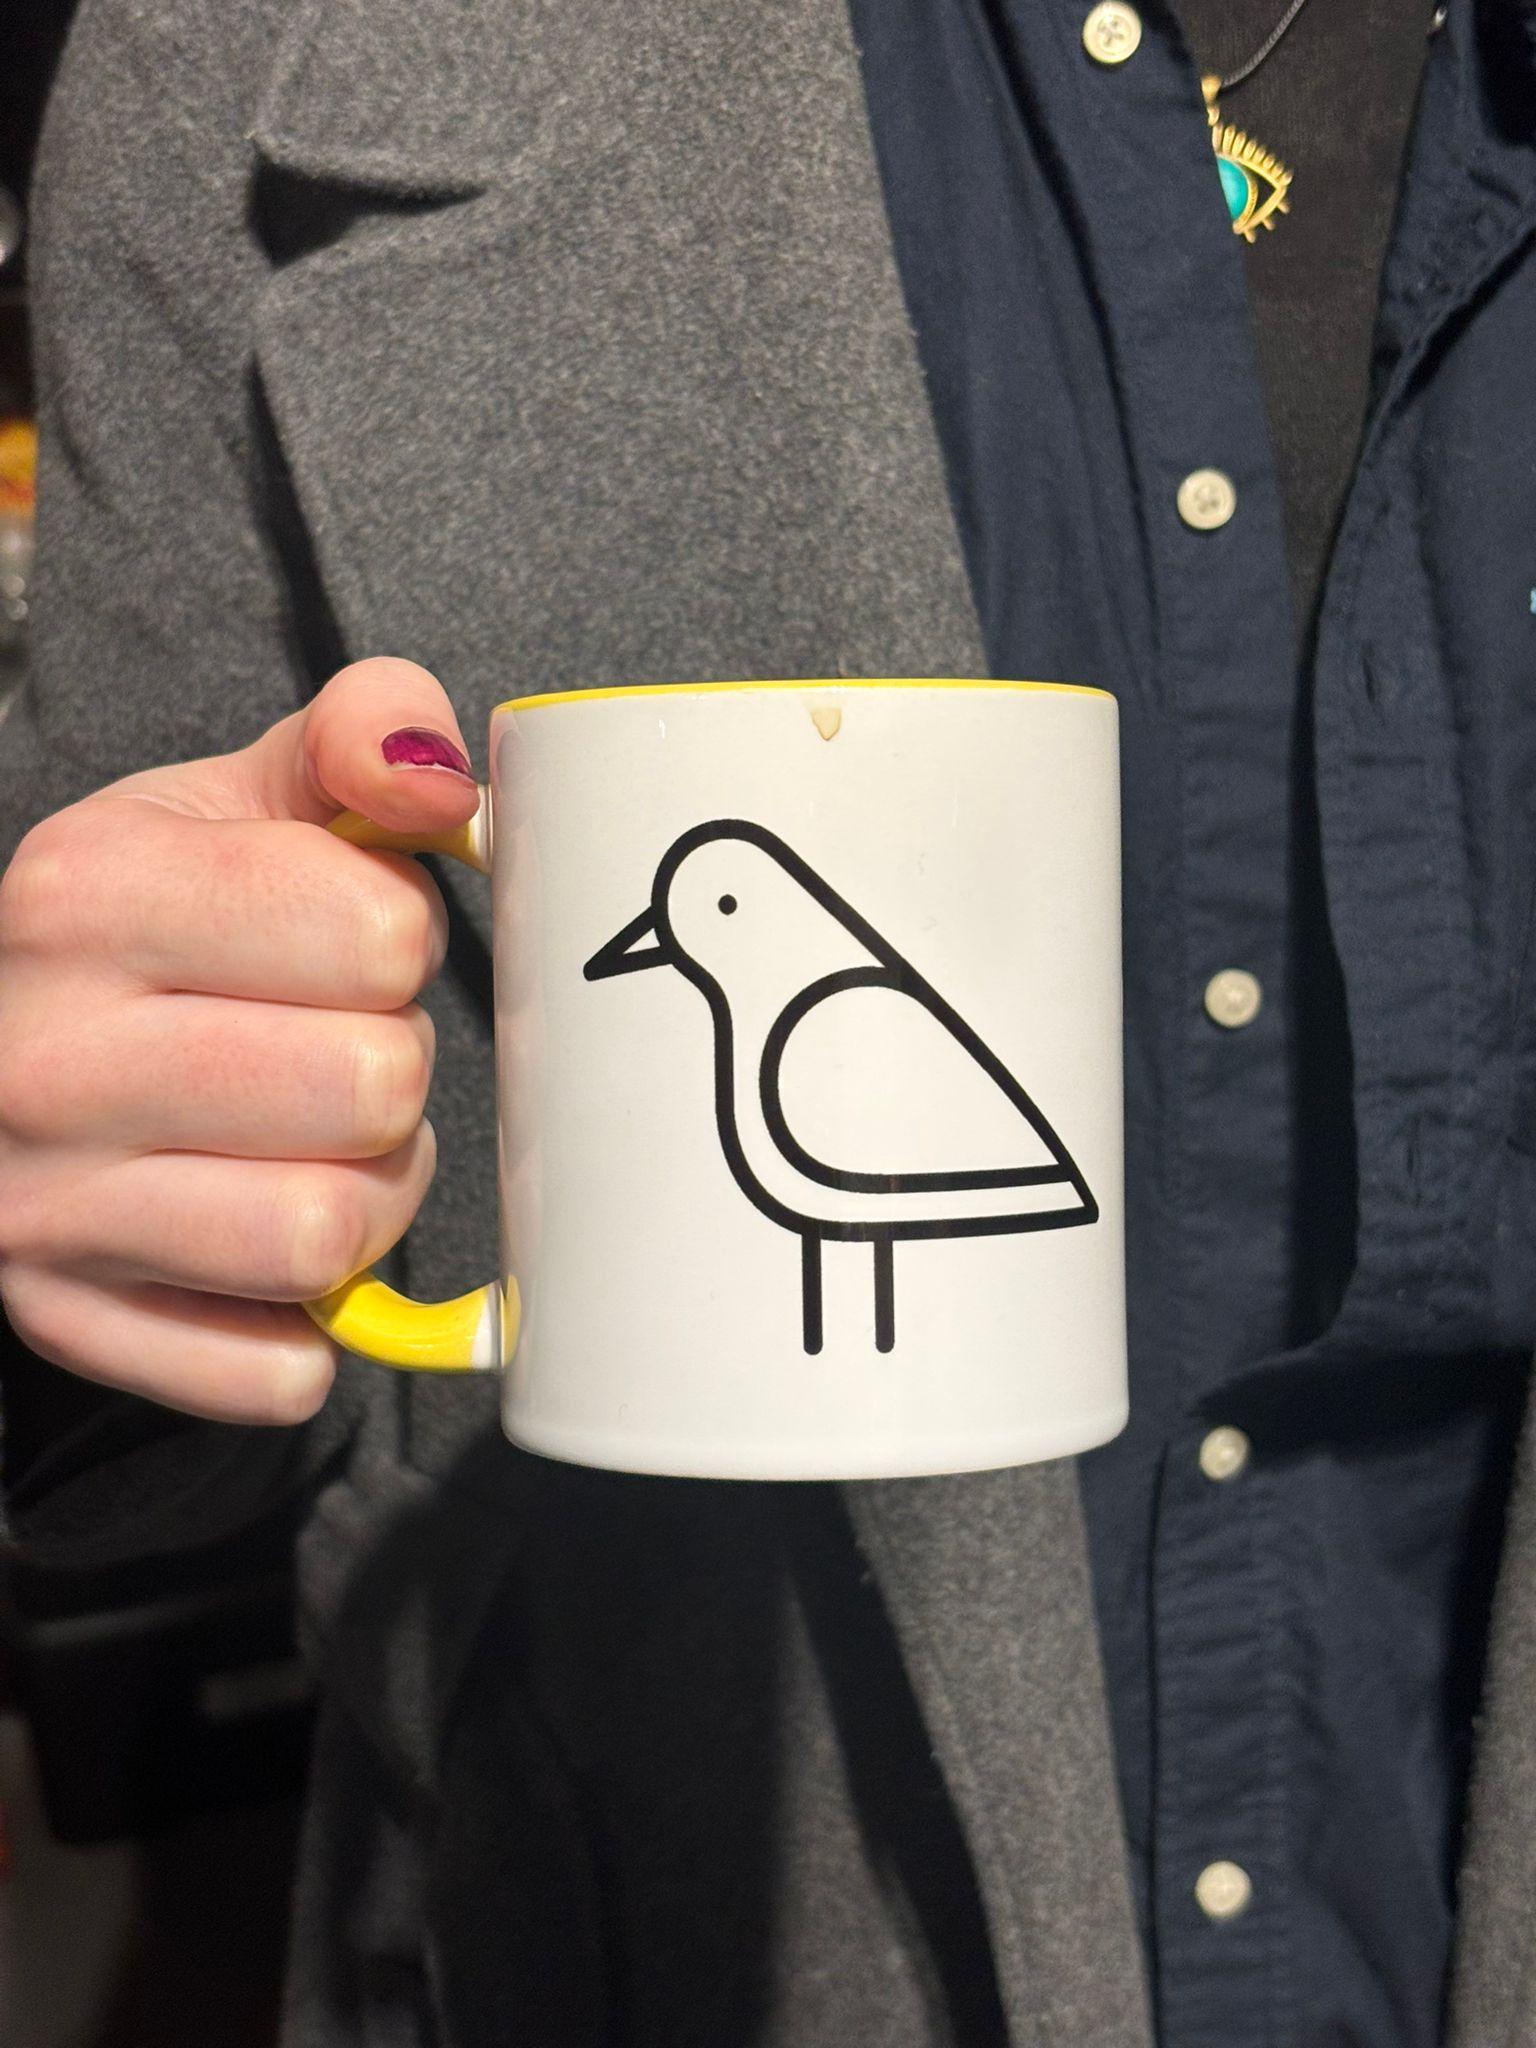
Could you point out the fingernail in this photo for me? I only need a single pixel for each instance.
(418, 746)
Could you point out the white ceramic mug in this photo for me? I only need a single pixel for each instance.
(809, 1080)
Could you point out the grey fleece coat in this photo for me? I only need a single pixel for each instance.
(556, 345)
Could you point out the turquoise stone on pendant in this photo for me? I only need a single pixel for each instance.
(1235, 186)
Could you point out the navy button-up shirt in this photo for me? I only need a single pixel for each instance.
(1331, 1210)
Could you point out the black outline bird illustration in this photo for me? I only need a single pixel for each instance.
(792, 975)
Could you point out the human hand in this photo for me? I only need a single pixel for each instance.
(212, 1063)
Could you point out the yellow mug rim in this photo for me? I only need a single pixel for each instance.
(818, 683)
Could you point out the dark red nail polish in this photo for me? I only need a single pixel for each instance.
(418, 746)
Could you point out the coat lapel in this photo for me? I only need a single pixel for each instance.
(595, 368)
(590, 364)
(986, 1579)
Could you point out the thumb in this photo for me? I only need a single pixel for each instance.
(380, 738)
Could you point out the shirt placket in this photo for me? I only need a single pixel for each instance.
(1170, 280)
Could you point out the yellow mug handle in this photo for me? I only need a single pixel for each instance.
(477, 1331)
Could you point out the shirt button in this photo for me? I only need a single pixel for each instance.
(1207, 499)
(1112, 32)
(1224, 1452)
(1223, 1890)
(1233, 998)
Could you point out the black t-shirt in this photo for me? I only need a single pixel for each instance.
(1333, 101)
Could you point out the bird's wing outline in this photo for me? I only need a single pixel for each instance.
(947, 1040)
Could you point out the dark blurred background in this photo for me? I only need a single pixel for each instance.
(154, 1719)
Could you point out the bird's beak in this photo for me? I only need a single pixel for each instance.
(628, 951)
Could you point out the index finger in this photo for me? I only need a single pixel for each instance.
(267, 908)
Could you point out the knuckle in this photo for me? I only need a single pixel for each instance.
(294, 1385)
(419, 1022)
(41, 888)
(398, 946)
(24, 1231)
(29, 1078)
(33, 1309)
(319, 1237)
(392, 1072)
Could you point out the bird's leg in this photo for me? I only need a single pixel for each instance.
(885, 1295)
(810, 1291)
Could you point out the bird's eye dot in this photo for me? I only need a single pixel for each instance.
(727, 905)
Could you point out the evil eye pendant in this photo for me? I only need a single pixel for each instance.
(1253, 181)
